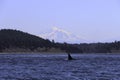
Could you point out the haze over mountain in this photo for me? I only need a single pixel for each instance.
(60, 35)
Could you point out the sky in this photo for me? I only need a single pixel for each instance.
(96, 20)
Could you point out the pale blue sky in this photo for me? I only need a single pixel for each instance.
(96, 20)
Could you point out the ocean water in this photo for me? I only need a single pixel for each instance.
(37, 66)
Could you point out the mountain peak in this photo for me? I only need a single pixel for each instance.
(61, 35)
(60, 30)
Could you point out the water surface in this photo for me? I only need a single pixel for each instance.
(38, 66)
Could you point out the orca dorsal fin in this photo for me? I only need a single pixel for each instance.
(69, 56)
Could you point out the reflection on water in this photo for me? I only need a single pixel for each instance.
(57, 67)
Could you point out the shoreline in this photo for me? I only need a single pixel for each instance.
(49, 52)
(31, 52)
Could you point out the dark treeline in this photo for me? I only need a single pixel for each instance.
(18, 39)
(91, 47)
(12, 39)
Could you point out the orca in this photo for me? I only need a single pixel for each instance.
(69, 56)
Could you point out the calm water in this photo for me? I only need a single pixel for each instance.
(57, 67)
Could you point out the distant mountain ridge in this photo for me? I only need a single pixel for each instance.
(60, 35)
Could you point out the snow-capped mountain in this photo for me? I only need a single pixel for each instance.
(60, 35)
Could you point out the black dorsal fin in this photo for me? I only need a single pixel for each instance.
(69, 56)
